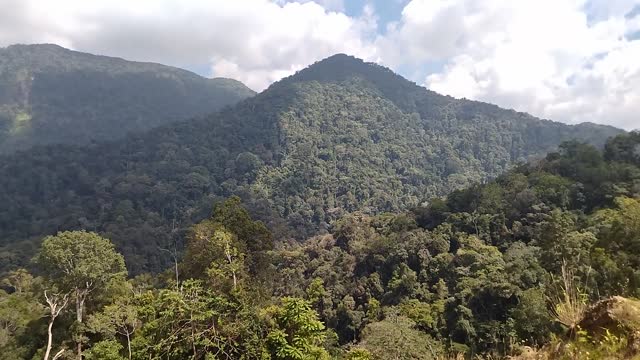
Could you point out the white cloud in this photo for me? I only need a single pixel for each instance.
(255, 41)
(565, 60)
(331, 5)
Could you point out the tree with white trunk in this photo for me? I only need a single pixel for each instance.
(80, 263)
(56, 302)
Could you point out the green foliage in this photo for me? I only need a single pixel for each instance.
(530, 318)
(194, 321)
(118, 319)
(625, 149)
(585, 346)
(477, 275)
(316, 290)
(397, 339)
(337, 137)
(105, 350)
(425, 315)
(79, 260)
(53, 95)
(295, 332)
(229, 248)
(78, 263)
(20, 328)
(466, 273)
(359, 354)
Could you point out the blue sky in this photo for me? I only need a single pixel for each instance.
(387, 11)
(566, 60)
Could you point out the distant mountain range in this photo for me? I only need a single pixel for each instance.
(340, 136)
(49, 95)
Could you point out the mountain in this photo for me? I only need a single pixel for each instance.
(491, 267)
(49, 94)
(542, 262)
(340, 136)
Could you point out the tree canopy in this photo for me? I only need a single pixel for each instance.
(337, 137)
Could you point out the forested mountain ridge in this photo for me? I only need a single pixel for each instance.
(531, 265)
(358, 136)
(49, 94)
(339, 136)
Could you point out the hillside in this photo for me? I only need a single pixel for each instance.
(539, 263)
(523, 260)
(49, 94)
(339, 136)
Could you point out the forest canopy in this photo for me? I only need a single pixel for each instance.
(52, 95)
(338, 137)
(482, 271)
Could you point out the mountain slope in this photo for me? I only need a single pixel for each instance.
(339, 136)
(49, 94)
(359, 136)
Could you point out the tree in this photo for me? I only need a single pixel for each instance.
(230, 241)
(192, 323)
(119, 318)
(215, 254)
(20, 280)
(233, 261)
(624, 147)
(296, 333)
(79, 262)
(20, 313)
(56, 302)
(254, 238)
(616, 254)
(105, 350)
(531, 320)
(397, 338)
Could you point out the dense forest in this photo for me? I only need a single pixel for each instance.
(338, 137)
(504, 267)
(51, 95)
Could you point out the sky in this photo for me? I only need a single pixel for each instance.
(566, 60)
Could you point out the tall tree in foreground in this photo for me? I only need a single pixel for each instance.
(229, 248)
(57, 303)
(80, 262)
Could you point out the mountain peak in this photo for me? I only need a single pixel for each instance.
(340, 67)
(32, 47)
(48, 57)
(341, 57)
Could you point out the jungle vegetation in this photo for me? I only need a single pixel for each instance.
(338, 137)
(482, 271)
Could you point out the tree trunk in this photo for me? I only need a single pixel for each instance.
(227, 251)
(80, 296)
(79, 320)
(175, 260)
(49, 340)
(193, 336)
(235, 280)
(56, 304)
(58, 354)
(79, 350)
(129, 344)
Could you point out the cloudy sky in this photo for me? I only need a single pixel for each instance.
(567, 60)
